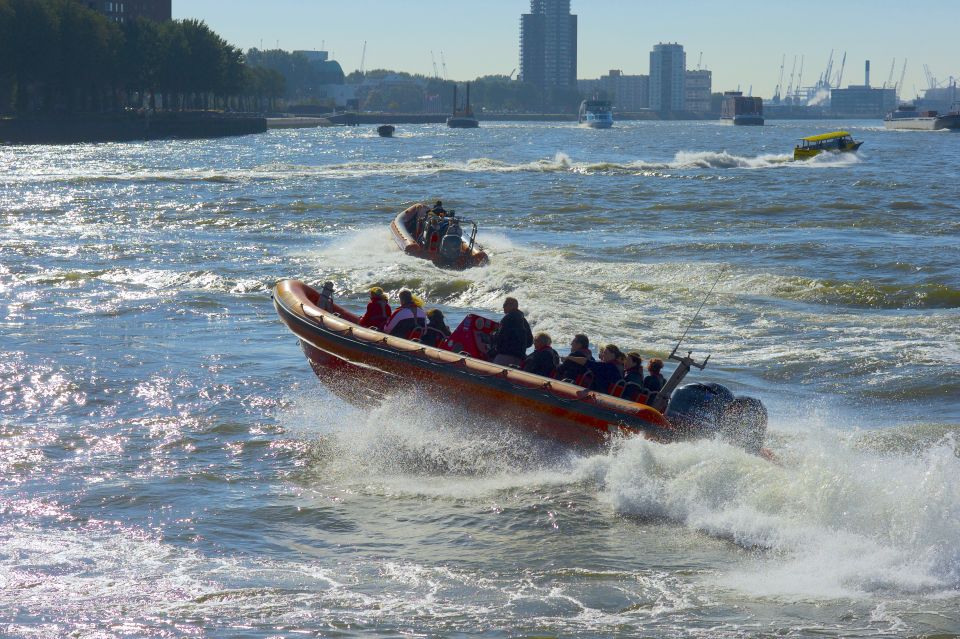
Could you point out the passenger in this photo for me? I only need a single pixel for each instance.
(438, 209)
(513, 337)
(378, 310)
(326, 297)
(437, 329)
(633, 369)
(543, 360)
(654, 381)
(605, 372)
(412, 215)
(406, 318)
(579, 347)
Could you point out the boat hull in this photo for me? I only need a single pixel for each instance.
(951, 121)
(462, 123)
(806, 154)
(409, 245)
(744, 120)
(597, 124)
(360, 364)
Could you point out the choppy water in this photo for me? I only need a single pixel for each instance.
(171, 468)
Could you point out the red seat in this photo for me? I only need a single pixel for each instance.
(584, 379)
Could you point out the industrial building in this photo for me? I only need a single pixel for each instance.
(862, 101)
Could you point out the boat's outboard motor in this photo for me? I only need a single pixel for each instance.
(744, 424)
(711, 409)
(697, 408)
(451, 242)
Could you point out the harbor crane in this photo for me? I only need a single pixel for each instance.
(889, 83)
(433, 60)
(843, 65)
(792, 71)
(776, 96)
(699, 60)
(903, 74)
(363, 58)
(443, 64)
(803, 58)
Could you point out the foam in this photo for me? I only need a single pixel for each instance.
(830, 521)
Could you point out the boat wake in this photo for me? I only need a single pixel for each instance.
(841, 514)
(430, 165)
(834, 519)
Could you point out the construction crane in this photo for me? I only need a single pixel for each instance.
(510, 77)
(699, 60)
(433, 60)
(889, 83)
(443, 64)
(843, 65)
(783, 61)
(903, 74)
(363, 58)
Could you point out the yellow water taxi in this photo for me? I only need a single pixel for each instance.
(836, 142)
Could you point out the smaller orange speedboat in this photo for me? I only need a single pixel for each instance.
(439, 238)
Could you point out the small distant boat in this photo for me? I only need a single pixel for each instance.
(386, 130)
(836, 142)
(421, 233)
(596, 114)
(741, 110)
(907, 116)
(462, 118)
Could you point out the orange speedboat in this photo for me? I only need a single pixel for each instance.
(358, 363)
(421, 233)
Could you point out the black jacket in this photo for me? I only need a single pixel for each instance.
(514, 336)
(542, 362)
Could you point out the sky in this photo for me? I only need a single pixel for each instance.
(742, 41)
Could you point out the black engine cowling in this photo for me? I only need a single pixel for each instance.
(711, 409)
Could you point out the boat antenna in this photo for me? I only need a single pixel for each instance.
(684, 362)
(700, 308)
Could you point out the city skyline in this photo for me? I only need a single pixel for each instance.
(612, 35)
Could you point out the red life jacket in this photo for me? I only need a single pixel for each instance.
(378, 312)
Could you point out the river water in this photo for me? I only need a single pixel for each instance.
(170, 466)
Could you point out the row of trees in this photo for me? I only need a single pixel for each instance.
(412, 93)
(59, 56)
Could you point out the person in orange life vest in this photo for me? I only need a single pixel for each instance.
(378, 310)
(407, 317)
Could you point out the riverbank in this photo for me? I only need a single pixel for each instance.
(127, 127)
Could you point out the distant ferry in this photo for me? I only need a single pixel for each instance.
(741, 110)
(596, 114)
(908, 117)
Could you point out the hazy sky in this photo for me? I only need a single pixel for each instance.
(742, 40)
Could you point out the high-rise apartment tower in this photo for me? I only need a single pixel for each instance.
(548, 45)
(668, 69)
